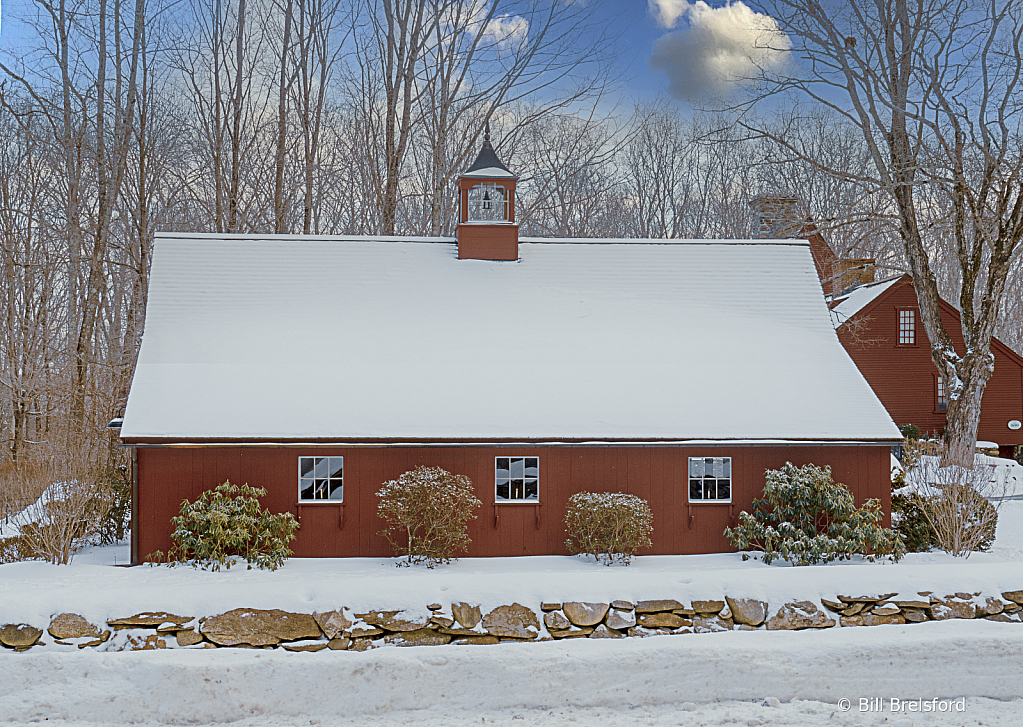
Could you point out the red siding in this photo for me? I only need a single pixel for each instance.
(905, 379)
(166, 476)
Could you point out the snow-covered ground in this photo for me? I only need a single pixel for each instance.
(754, 678)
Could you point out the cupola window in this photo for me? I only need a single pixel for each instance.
(488, 203)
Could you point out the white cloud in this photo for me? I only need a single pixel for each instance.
(667, 12)
(507, 31)
(718, 49)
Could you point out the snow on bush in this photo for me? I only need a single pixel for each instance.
(67, 517)
(427, 512)
(806, 518)
(611, 526)
(226, 522)
(954, 508)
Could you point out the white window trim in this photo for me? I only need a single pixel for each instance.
(484, 187)
(300, 478)
(910, 330)
(731, 483)
(499, 501)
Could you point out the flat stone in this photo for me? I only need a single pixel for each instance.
(684, 612)
(435, 607)
(361, 645)
(187, 637)
(658, 606)
(912, 615)
(747, 611)
(661, 620)
(148, 619)
(19, 636)
(556, 620)
(889, 610)
(419, 637)
(622, 605)
(339, 644)
(708, 606)
(962, 595)
(870, 619)
(1005, 618)
(392, 620)
(305, 647)
(550, 606)
(1011, 608)
(459, 632)
(603, 632)
(854, 609)
(745, 627)
(333, 623)
(362, 632)
(711, 624)
(73, 626)
(944, 610)
(641, 632)
(620, 620)
(478, 640)
(1014, 596)
(443, 621)
(514, 621)
(799, 615)
(257, 627)
(577, 633)
(991, 607)
(912, 604)
(467, 616)
(835, 606)
(586, 614)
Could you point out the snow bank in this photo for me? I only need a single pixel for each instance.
(224, 685)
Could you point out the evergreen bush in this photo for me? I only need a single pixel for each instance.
(427, 511)
(611, 526)
(228, 522)
(806, 518)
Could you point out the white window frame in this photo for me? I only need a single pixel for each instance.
(907, 327)
(509, 480)
(326, 481)
(727, 474)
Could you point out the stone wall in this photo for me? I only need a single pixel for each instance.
(465, 623)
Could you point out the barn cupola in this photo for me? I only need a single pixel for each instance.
(486, 208)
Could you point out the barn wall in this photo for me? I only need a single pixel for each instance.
(169, 475)
(905, 379)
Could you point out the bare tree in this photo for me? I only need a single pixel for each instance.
(934, 88)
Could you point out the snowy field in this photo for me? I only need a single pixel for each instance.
(737, 678)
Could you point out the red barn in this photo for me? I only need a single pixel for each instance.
(879, 325)
(320, 367)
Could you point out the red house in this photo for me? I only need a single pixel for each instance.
(320, 367)
(879, 325)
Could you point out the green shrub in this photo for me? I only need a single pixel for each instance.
(806, 518)
(427, 512)
(910, 432)
(909, 521)
(611, 526)
(228, 522)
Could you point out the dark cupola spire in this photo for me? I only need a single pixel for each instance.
(487, 158)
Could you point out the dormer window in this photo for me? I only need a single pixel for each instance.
(488, 203)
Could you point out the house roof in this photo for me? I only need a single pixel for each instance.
(846, 306)
(355, 339)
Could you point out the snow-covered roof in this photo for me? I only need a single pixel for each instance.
(304, 338)
(490, 172)
(851, 303)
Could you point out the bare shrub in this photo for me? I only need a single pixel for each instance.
(610, 526)
(427, 512)
(960, 504)
(64, 519)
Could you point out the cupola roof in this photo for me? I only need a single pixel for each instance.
(487, 164)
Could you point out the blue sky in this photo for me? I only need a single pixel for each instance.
(668, 48)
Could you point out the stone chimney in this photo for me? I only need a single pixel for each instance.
(782, 216)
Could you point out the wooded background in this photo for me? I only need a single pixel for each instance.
(119, 119)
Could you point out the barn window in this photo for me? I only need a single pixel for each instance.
(320, 479)
(907, 327)
(516, 479)
(942, 395)
(710, 479)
